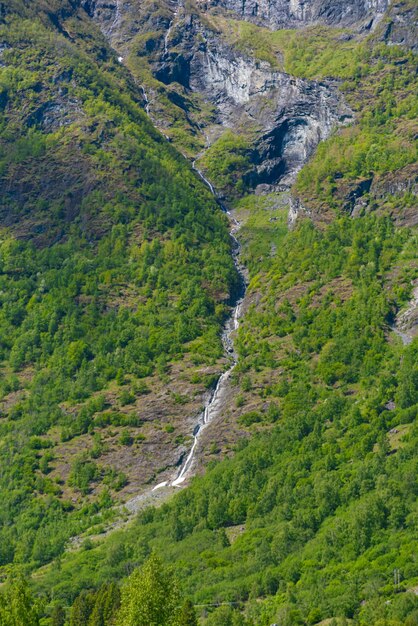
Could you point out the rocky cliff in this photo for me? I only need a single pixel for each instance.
(211, 66)
(289, 116)
(284, 117)
(294, 13)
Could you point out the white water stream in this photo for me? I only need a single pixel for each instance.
(116, 21)
(170, 29)
(146, 100)
(214, 403)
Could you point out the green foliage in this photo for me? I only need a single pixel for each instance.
(83, 472)
(227, 162)
(112, 268)
(227, 616)
(106, 606)
(311, 515)
(187, 615)
(381, 141)
(58, 617)
(82, 609)
(320, 500)
(17, 606)
(150, 597)
(96, 608)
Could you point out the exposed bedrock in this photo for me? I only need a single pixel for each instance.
(294, 13)
(285, 117)
(400, 27)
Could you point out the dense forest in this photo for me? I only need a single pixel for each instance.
(116, 279)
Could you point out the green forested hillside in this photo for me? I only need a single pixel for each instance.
(114, 263)
(316, 513)
(314, 518)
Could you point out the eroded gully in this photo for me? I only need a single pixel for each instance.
(214, 404)
(215, 401)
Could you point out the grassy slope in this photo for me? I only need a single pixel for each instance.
(114, 262)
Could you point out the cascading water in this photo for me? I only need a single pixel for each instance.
(212, 407)
(214, 403)
(170, 29)
(115, 23)
(146, 100)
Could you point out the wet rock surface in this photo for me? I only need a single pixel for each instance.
(288, 116)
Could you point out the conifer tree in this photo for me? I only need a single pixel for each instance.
(187, 615)
(17, 606)
(58, 616)
(106, 606)
(150, 597)
(82, 609)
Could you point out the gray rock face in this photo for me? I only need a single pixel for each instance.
(401, 27)
(288, 116)
(55, 114)
(296, 210)
(294, 13)
(121, 20)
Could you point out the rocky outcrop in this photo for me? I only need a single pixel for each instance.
(395, 193)
(296, 211)
(406, 322)
(52, 115)
(295, 13)
(285, 117)
(121, 20)
(401, 27)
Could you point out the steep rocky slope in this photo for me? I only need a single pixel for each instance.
(115, 269)
(203, 85)
(295, 13)
(205, 73)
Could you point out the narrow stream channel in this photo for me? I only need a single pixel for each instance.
(214, 402)
(154, 495)
(213, 405)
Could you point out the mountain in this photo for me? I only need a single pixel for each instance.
(115, 275)
(134, 138)
(251, 103)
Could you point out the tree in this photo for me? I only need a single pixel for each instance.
(58, 616)
(106, 606)
(187, 615)
(82, 609)
(18, 607)
(150, 597)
